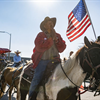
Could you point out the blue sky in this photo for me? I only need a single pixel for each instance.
(22, 19)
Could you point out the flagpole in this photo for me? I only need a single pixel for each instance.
(89, 18)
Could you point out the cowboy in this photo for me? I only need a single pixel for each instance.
(2, 57)
(17, 59)
(48, 45)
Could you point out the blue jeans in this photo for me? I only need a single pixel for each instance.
(38, 74)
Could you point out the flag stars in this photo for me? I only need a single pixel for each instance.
(79, 11)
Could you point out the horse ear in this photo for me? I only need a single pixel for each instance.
(87, 43)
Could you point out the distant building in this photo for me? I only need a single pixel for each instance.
(13, 54)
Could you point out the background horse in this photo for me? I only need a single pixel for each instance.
(10, 76)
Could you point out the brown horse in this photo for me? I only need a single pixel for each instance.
(10, 76)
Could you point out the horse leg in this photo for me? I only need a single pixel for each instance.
(18, 93)
(24, 88)
(10, 91)
(63, 94)
(67, 94)
(23, 94)
(3, 87)
(73, 94)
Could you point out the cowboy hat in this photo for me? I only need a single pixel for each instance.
(17, 52)
(45, 20)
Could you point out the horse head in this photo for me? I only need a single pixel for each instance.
(91, 60)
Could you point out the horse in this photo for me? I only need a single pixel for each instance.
(10, 76)
(63, 84)
(83, 62)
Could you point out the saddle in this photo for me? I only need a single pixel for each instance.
(29, 72)
(49, 70)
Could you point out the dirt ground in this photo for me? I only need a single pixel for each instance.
(89, 96)
(85, 96)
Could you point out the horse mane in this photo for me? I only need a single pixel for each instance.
(71, 66)
(75, 59)
(69, 63)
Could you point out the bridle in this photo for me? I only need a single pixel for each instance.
(94, 69)
(89, 62)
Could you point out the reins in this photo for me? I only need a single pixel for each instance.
(69, 78)
(91, 66)
(73, 82)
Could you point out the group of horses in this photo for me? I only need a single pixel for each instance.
(65, 80)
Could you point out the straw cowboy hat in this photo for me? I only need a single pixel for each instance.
(45, 20)
(17, 52)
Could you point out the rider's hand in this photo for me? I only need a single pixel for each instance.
(53, 34)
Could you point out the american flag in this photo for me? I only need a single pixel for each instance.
(78, 22)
